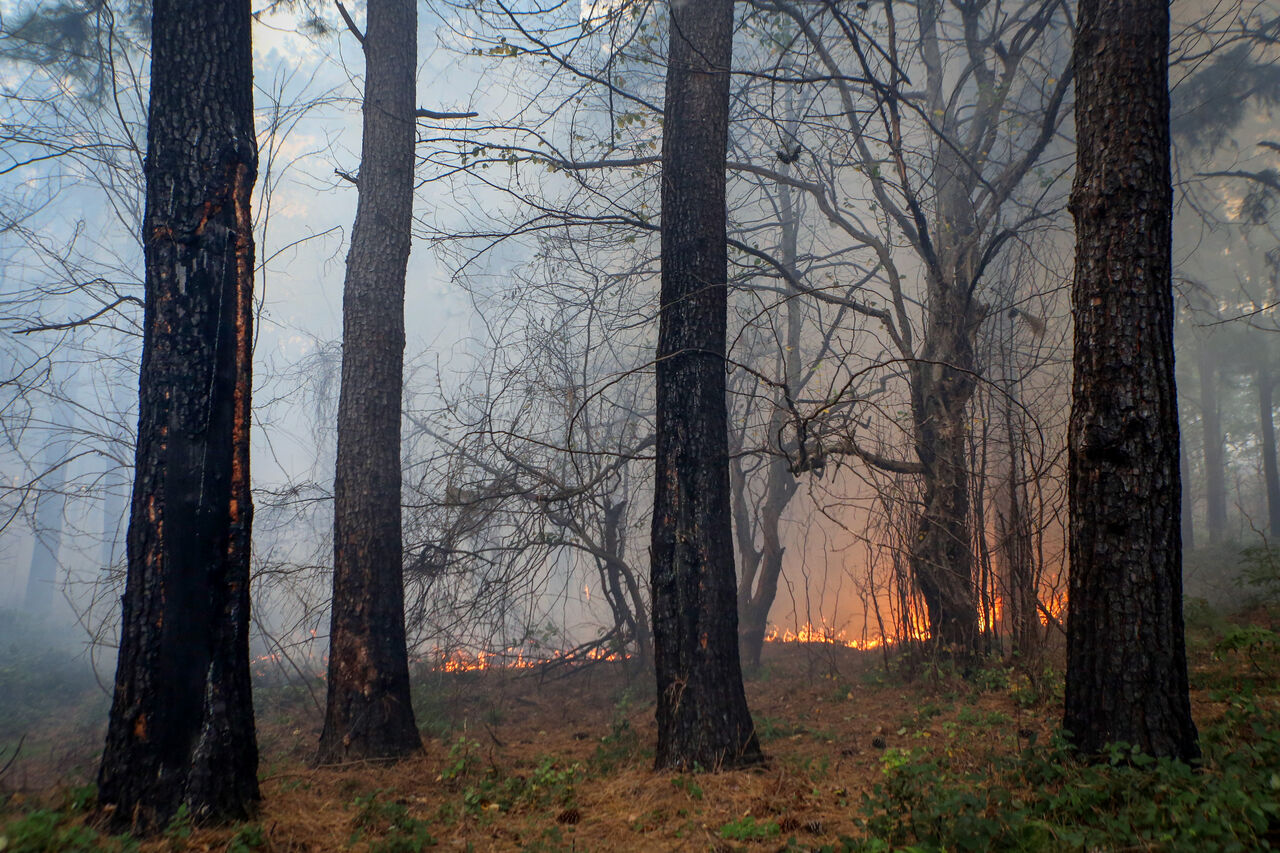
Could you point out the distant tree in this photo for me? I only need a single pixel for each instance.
(702, 708)
(1126, 658)
(368, 713)
(181, 731)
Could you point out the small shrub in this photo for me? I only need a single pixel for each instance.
(748, 829)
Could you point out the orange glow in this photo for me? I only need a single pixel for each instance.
(824, 633)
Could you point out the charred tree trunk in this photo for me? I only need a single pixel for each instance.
(702, 713)
(941, 555)
(1215, 466)
(1126, 658)
(368, 714)
(1267, 438)
(181, 730)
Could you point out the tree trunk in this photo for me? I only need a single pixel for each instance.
(181, 730)
(758, 586)
(1016, 544)
(702, 715)
(1215, 468)
(1126, 659)
(368, 714)
(1267, 438)
(942, 385)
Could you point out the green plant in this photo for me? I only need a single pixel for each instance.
(1261, 569)
(769, 728)
(178, 832)
(464, 757)
(1046, 799)
(400, 832)
(247, 838)
(1258, 644)
(748, 829)
(48, 831)
(616, 748)
(688, 785)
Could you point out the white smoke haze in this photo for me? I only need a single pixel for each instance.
(531, 317)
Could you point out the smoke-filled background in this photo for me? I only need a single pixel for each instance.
(532, 312)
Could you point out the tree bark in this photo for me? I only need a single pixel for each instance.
(702, 715)
(181, 731)
(1126, 659)
(1215, 467)
(368, 714)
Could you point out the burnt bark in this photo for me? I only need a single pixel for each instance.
(1126, 658)
(702, 713)
(368, 714)
(181, 730)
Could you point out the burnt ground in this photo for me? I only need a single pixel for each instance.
(562, 759)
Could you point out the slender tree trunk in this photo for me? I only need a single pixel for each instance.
(1016, 539)
(368, 714)
(181, 730)
(1126, 658)
(758, 587)
(702, 713)
(1267, 438)
(1215, 467)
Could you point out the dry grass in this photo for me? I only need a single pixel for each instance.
(533, 761)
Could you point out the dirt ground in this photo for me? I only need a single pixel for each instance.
(562, 760)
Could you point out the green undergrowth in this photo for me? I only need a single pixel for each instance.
(59, 827)
(1047, 800)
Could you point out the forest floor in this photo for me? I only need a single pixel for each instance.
(863, 753)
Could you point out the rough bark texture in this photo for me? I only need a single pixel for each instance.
(1215, 464)
(368, 714)
(1126, 659)
(702, 709)
(181, 730)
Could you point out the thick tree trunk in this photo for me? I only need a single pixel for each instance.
(368, 714)
(1215, 466)
(1267, 438)
(181, 730)
(702, 713)
(941, 556)
(1126, 658)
